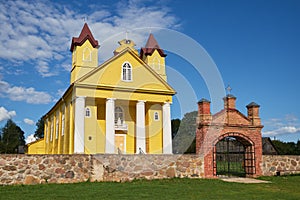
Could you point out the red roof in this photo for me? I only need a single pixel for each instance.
(152, 45)
(85, 34)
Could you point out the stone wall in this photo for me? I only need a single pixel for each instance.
(34, 169)
(280, 165)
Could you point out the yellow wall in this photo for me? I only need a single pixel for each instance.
(99, 83)
(37, 147)
(84, 59)
(157, 63)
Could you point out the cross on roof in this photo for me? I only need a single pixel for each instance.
(228, 89)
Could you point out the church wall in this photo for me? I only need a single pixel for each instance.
(100, 142)
(154, 128)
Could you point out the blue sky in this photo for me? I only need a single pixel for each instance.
(254, 46)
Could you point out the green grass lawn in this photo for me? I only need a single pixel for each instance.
(284, 187)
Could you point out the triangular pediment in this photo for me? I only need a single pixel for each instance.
(231, 117)
(109, 75)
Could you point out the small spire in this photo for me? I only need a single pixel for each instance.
(228, 89)
(126, 34)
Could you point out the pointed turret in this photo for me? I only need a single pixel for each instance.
(154, 56)
(84, 53)
(85, 34)
(151, 46)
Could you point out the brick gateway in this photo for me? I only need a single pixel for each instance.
(229, 124)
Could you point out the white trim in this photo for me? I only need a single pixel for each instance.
(167, 133)
(51, 130)
(131, 72)
(156, 66)
(140, 127)
(57, 127)
(79, 124)
(89, 58)
(63, 124)
(110, 125)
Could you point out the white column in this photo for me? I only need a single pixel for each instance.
(140, 127)
(167, 133)
(79, 125)
(110, 125)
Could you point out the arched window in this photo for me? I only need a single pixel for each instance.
(119, 115)
(156, 116)
(56, 128)
(87, 112)
(156, 63)
(126, 72)
(87, 56)
(51, 130)
(63, 125)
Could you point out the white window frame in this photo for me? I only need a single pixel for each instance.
(89, 58)
(156, 63)
(123, 115)
(88, 112)
(63, 125)
(51, 131)
(56, 128)
(156, 116)
(127, 69)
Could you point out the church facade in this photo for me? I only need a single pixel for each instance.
(120, 106)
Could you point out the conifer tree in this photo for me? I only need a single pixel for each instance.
(11, 138)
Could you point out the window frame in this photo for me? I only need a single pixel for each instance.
(126, 72)
(88, 112)
(123, 115)
(156, 116)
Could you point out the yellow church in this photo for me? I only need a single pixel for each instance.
(121, 106)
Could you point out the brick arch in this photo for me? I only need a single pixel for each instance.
(212, 128)
(250, 156)
(238, 135)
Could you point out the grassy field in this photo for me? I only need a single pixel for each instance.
(284, 187)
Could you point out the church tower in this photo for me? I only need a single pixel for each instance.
(154, 56)
(84, 54)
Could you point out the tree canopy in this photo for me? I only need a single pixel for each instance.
(184, 140)
(11, 138)
(39, 132)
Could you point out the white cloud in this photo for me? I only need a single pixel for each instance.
(5, 114)
(282, 131)
(28, 121)
(289, 124)
(30, 139)
(41, 31)
(29, 95)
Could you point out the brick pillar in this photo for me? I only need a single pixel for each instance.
(253, 113)
(229, 102)
(203, 121)
(204, 115)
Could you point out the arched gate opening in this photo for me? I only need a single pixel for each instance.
(234, 156)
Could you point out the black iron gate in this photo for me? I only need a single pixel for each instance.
(231, 157)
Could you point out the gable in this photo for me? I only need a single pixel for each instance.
(231, 117)
(109, 75)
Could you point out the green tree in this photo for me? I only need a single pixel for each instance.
(175, 123)
(184, 141)
(12, 137)
(39, 132)
(286, 148)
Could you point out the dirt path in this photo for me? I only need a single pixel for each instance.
(244, 180)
